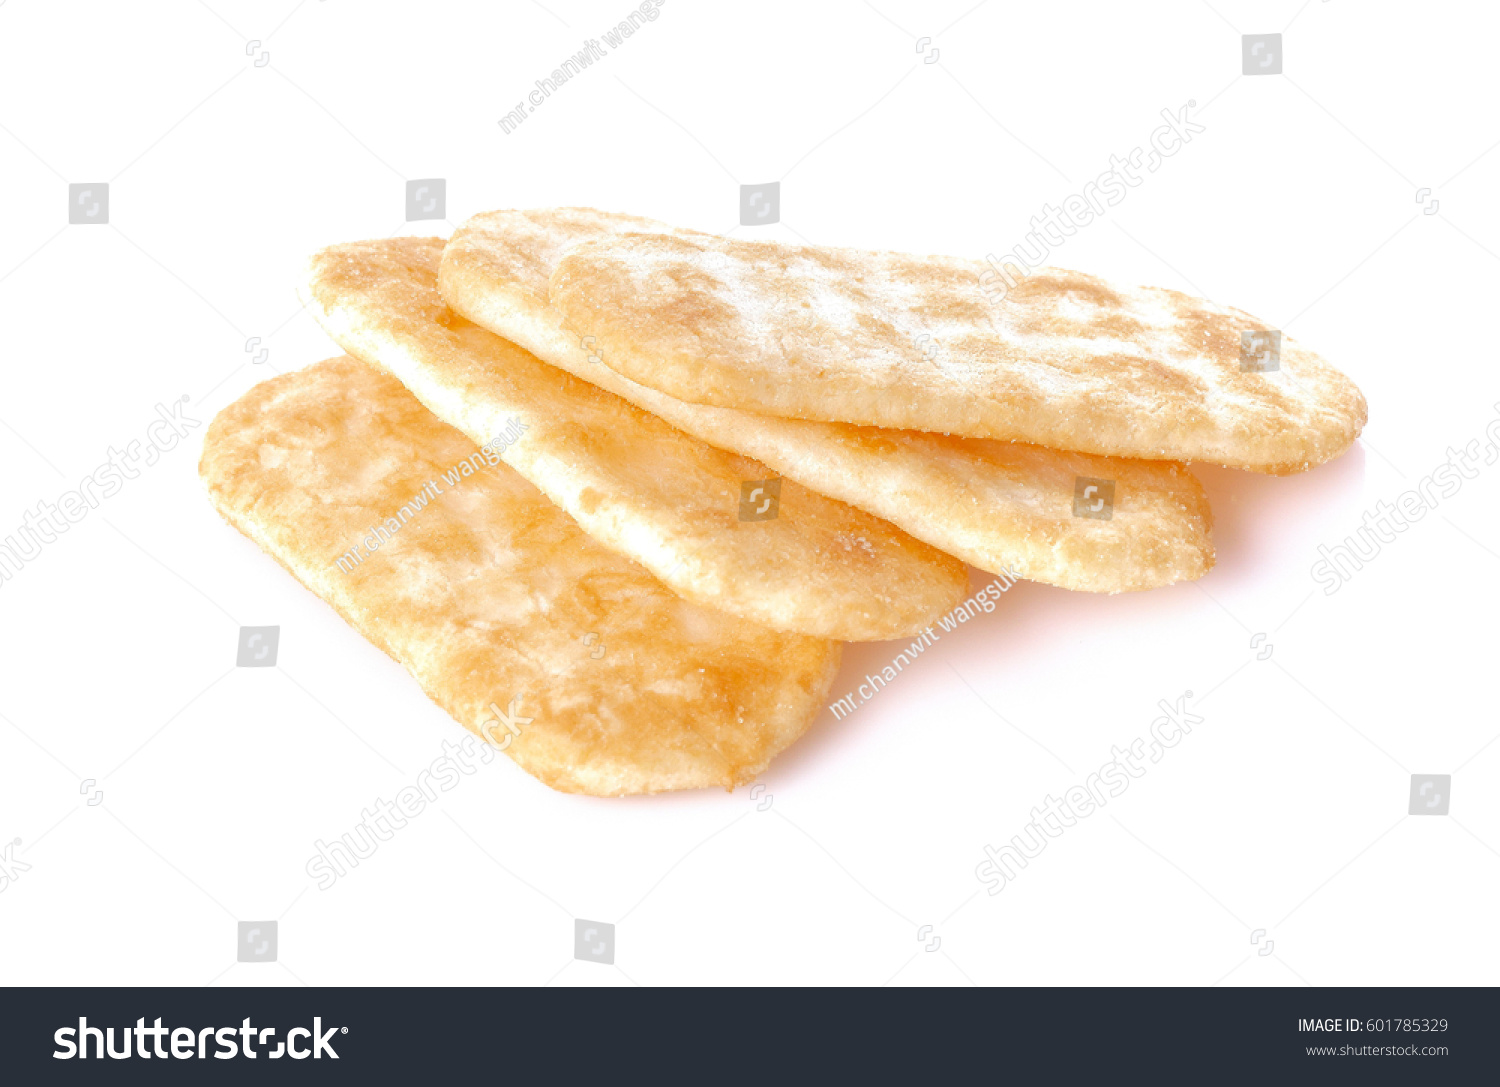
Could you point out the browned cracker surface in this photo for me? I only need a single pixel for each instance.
(1063, 359)
(487, 593)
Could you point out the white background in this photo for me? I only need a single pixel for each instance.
(1285, 810)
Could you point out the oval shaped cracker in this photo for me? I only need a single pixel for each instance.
(1062, 359)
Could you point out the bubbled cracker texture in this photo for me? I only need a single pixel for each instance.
(634, 482)
(997, 505)
(1063, 359)
(486, 594)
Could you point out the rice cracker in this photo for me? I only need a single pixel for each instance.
(1062, 359)
(489, 595)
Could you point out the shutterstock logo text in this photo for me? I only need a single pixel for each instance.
(190, 1043)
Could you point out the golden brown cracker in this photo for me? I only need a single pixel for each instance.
(489, 593)
(1063, 359)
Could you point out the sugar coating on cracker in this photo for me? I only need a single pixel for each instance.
(1060, 358)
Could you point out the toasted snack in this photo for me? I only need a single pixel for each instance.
(996, 505)
(588, 671)
(888, 339)
(705, 521)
